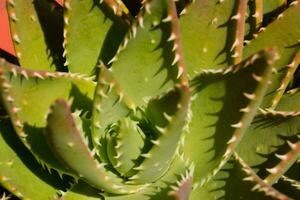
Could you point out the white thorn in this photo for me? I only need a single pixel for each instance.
(281, 157)
(249, 178)
(24, 73)
(146, 155)
(232, 140)
(66, 20)
(118, 155)
(245, 110)
(134, 177)
(235, 44)
(160, 129)
(172, 37)
(141, 22)
(139, 168)
(176, 59)
(293, 146)
(147, 8)
(133, 31)
(180, 71)
(274, 170)
(235, 55)
(167, 19)
(237, 125)
(236, 17)
(97, 125)
(256, 77)
(156, 142)
(102, 94)
(227, 153)
(250, 96)
(256, 15)
(183, 12)
(294, 3)
(16, 38)
(115, 58)
(67, 5)
(36, 74)
(168, 117)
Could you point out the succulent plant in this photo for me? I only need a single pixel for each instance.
(180, 100)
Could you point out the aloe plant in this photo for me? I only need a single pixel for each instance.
(182, 100)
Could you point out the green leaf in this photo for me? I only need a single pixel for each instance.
(18, 168)
(37, 33)
(143, 65)
(69, 145)
(286, 162)
(110, 105)
(290, 101)
(157, 190)
(124, 145)
(236, 175)
(224, 104)
(92, 33)
(183, 187)
(273, 5)
(206, 29)
(169, 130)
(286, 80)
(214, 189)
(82, 191)
(161, 188)
(27, 96)
(284, 33)
(265, 136)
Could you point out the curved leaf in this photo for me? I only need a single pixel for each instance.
(285, 39)
(14, 157)
(224, 104)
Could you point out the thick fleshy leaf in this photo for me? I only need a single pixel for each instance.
(203, 23)
(289, 183)
(37, 28)
(290, 101)
(124, 145)
(182, 189)
(82, 191)
(18, 168)
(286, 162)
(286, 80)
(27, 96)
(159, 158)
(70, 146)
(92, 33)
(232, 176)
(286, 41)
(145, 65)
(263, 138)
(110, 105)
(273, 5)
(157, 190)
(224, 104)
(214, 189)
(259, 184)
